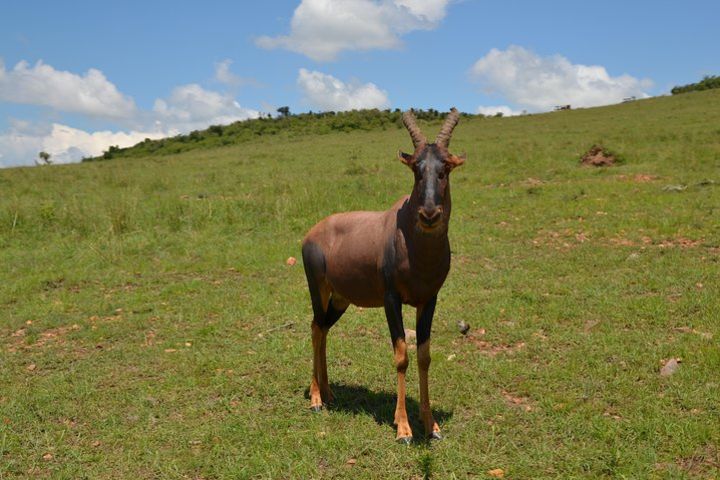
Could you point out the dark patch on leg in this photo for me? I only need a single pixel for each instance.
(314, 264)
(393, 302)
(393, 314)
(424, 321)
(332, 315)
(388, 264)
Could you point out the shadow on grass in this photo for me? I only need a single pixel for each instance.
(357, 399)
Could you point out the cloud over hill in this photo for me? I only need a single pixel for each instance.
(539, 83)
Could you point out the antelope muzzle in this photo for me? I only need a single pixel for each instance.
(430, 218)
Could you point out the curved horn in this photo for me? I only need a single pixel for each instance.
(443, 138)
(409, 121)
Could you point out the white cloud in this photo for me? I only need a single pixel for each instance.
(188, 107)
(321, 29)
(504, 109)
(21, 145)
(191, 107)
(326, 92)
(226, 77)
(539, 83)
(90, 94)
(431, 10)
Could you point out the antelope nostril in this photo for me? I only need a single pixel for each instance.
(430, 218)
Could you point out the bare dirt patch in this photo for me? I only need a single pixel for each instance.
(590, 325)
(523, 403)
(598, 156)
(686, 329)
(53, 335)
(532, 182)
(645, 241)
(702, 462)
(560, 240)
(639, 178)
(681, 242)
(488, 348)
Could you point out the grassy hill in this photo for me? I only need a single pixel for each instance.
(282, 128)
(151, 328)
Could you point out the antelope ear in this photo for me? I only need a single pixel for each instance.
(406, 158)
(456, 160)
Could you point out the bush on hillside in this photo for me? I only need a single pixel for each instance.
(708, 82)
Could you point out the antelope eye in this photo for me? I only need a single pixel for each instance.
(441, 175)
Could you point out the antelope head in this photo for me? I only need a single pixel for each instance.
(431, 164)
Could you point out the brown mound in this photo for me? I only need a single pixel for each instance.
(597, 156)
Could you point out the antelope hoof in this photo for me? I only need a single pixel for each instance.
(316, 408)
(436, 436)
(404, 440)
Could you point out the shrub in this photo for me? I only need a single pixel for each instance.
(708, 82)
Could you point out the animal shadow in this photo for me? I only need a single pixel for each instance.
(380, 405)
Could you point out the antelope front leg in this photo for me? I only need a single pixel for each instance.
(393, 312)
(423, 326)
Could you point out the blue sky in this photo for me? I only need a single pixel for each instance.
(76, 77)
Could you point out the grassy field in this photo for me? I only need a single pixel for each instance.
(151, 328)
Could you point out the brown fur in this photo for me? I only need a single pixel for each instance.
(355, 243)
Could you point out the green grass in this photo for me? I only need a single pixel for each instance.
(141, 300)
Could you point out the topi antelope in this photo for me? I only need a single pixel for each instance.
(387, 259)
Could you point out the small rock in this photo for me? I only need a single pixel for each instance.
(351, 462)
(290, 261)
(670, 367)
(451, 357)
(47, 457)
(410, 334)
(463, 327)
(496, 473)
(31, 367)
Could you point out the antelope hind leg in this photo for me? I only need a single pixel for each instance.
(314, 263)
(336, 307)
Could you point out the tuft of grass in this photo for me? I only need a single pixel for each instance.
(425, 462)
